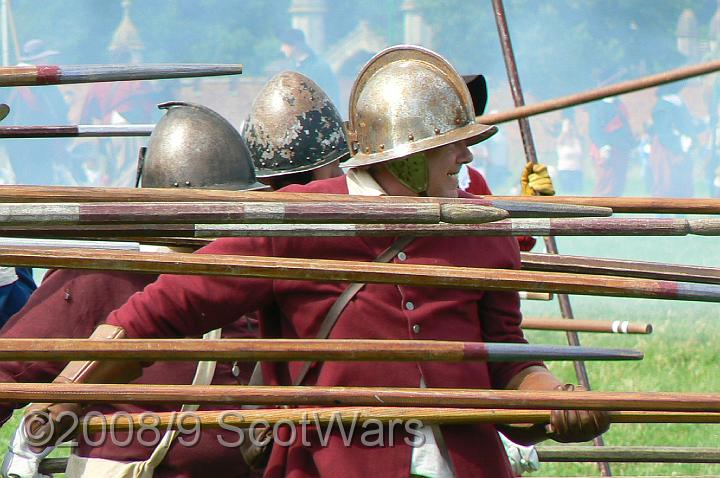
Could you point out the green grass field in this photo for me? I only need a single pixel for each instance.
(679, 356)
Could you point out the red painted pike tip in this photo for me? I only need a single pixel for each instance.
(475, 351)
(48, 74)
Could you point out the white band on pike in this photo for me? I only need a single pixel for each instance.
(620, 327)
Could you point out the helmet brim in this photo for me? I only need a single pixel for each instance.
(256, 186)
(471, 134)
(269, 173)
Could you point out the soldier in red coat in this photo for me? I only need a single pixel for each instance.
(411, 120)
(71, 303)
(294, 132)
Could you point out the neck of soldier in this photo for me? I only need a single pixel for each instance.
(389, 183)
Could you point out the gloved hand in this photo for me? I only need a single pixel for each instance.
(567, 426)
(21, 461)
(523, 459)
(46, 423)
(535, 179)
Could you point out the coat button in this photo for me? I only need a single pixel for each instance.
(409, 305)
(402, 256)
(416, 328)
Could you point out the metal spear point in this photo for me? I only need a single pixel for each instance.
(67, 74)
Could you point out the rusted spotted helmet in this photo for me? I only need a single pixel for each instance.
(194, 147)
(406, 100)
(293, 127)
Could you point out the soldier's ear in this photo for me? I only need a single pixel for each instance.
(478, 91)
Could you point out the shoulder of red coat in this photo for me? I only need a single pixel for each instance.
(336, 185)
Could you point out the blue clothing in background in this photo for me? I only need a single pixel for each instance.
(14, 296)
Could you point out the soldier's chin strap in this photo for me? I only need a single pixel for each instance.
(46, 422)
(411, 171)
(140, 165)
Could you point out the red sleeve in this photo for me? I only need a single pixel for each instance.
(526, 243)
(184, 305)
(501, 317)
(68, 303)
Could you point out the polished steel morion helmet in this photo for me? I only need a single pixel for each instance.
(293, 127)
(194, 147)
(406, 100)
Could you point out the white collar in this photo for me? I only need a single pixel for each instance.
(361, 183)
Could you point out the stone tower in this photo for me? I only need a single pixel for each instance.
(416, 31)
(126, 40)
(309, 16)
(687, 35)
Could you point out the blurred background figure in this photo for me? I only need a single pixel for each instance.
(112, 161)
(612, 141)
(712, 166)
(570, 152)
(306, 61)
(16, 285)
(672, 135)
(36, 161)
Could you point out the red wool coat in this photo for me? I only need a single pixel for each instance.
(179, 305)
(71, 303)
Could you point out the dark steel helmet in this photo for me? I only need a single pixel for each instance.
(194, 147)
(293, 126)
(406, 100)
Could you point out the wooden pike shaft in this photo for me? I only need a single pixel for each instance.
(73, 214)
(67, 74)
(364, 272)
(286, 350)
(360, 396)
(624, 87)
(52, 194)
(618, 267)
(506, 227)
(629, 454)
(602, 326)
(77, 131)
(349, 415)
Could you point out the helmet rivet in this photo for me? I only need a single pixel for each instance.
(187, 183)
(458, 121)
(411, 137)
(381, 146)
(176, 184)
(367, 149)
(362, 124)
(437, 130)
